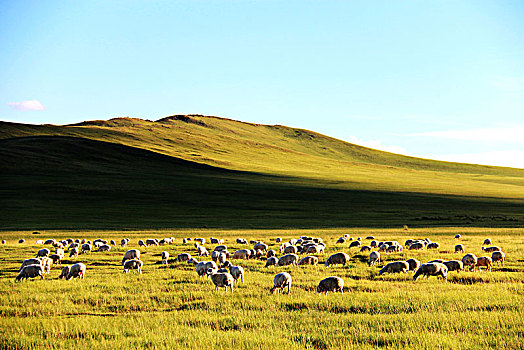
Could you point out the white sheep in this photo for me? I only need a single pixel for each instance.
(414, 264)
(395, 267)
(133, 264)
(308, 260)
(77, 270)
(131, 254)
(498, 257)
(331, 284)
(469, 260)
(236, 271)
(221, 279)
(338, 258)
(281, 281)
(272, 261)
(30, 271)
(432, 269)
(165, 256)
(289, 259)
(43, 252)
(374, 258)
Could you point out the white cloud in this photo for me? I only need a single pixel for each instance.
(512, 134)
(29, 105)
(377, 144)
(508, 158)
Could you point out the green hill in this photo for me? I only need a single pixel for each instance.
(196, 171)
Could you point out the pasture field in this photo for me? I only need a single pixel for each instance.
(171, 307)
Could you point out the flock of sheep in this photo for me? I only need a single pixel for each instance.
(224, 274)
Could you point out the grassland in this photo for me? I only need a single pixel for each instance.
(173, 308)
(195, 171)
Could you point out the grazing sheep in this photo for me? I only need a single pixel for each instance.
(414, 264)
(241, 254)
(183, 257)
(309, 260)
(213, 240)
(272, 261)
(203, 267)
(354, 244)
(133, 264)
(417, 246)
(73, 253)
(393, 249)
(112, 242)
(221, 279)
(459, 248)
(123, 242)
(395, 267)
(30, 271)
(433, 245)
(21, 241)
(184, 240)
(315, 249)
(498, 257)
(165, 256)
(86, 247)
(341, 240)
(484, 261)
(457, 236)
(43, 252)
(278, 239)
(261, 246)
(337, 258)
(65, 272)
(27, 262)
(441, 261)
(281, 281)
(491, 249)
(373, 244)
(150, 241)
(200, 240)
(57, 259)
(202, 251)
(432, 269)
(131, 254)
(271, 253)
(4, 241)
(73, 245)
(77, 270)
(241, 241)
(46, 264)
(374, 258)
(220, 248)
(383, 248)
(409, 242)
(469, 260)
(487, 241)
(331, 284)
(289, 259)
(290, 250)
(365, 248)
(236, 271)
(104, 248)
(141, 243)
(454, 265)
(370, 237)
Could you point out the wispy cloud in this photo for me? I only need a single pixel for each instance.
(29, 105)
(377, 144)
(512, 134)
(508, 158)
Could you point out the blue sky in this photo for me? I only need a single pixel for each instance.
(441, 79)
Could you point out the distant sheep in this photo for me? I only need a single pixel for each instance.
(133, 264)
(290, 250)
(395, 267)
(271, 253)
(183, 257)
(341, 240)
(21, 241)
(112, 242)
(76, 271)
(417, 246)
(374, 258)
(236, 271)
(86, 248)
(459, 248)
(27, 262)
(165, 256)
(337, 258)
(373, 244)
(281, 281)
(241, 241)
(414, 264)
(289, 259)
(43, 252)
(441, 261)
(433, 245)
(241, 254)
(30, 271)
(57, 259)
(487, 241)
(354, 244)
(432, 269)
(73, 253)
(104, 248)
(457, 236)
(261, 246)
(309, 260)
(272, 261)
(151, 241)
(202, 251)
(141, 243)
(498, 257)
(4, 241)
(370, 237)
(131, 254)
(123, 242)
(365, 248)
(331, 284)
(491, 249)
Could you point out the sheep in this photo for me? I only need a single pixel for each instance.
(73, 245)
(77, 270)
(290, 250)
(202, 251)
(308, 260)
(43, 252)
(413, 264)
(133, 264)
(141, 243)
(416, 246)
(469, 260)
(432, 269)
(370, 237)
(281, 281)
(491, 249)
(184, 240)
(383, 248)
(112, 242)
(433, 245)
(365, 248)
(498, 257)
(454, 265)
(289, 259)
(241, 254)
(374, 258)
(104, 248)
(131, 254)
(459, 248)
(46, 264)
(73, 253)
(272, 261)
(86, 247)
(457, 236)
(315, 249)
(236, 271)
(57, 259)
(27, 262)
(393, 249)
(337, 258)
(487, 241)
(409, 242)
(241, 241)
(331, 284)
(65, 272)
(165, 256)
(341, 240)
(213, 240)
(354, 244)
(150, 241)
(441, 261)
(183, 257)
(203, 267)
(4, 241)
(200, 240)
(395, 267)
(278, 239)
(220, 248)
(123, 242)
(261, 246)
(221, 279)
(49, 241)
(30, 271)
(373, 244)
(271, 253)
(484, 261)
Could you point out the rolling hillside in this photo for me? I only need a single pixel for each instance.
(196, 171)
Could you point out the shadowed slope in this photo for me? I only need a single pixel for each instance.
(64, 182)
